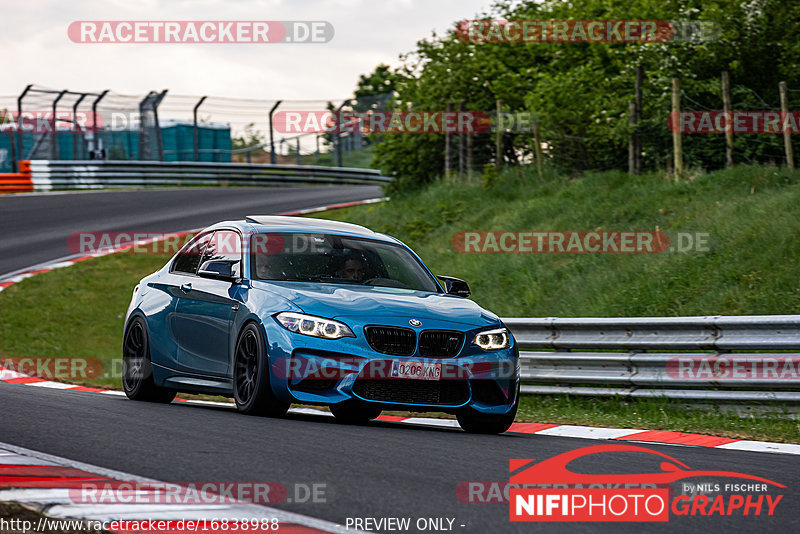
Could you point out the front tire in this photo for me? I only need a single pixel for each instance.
(353, 412)
(251, 389)
(479, 423)
(137, 373)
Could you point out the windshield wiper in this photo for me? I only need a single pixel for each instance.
(326, 279)
(304, 279)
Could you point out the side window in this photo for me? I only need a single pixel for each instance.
(225, 245)
(189, 259)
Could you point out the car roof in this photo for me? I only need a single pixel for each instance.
(283, 223)
(307, 224)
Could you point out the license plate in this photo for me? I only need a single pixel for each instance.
(416, 370)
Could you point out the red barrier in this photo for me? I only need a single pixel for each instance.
(17, 182)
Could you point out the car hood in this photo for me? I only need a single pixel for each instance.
(340, 300)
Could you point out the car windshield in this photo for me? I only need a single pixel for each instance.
(307, 257)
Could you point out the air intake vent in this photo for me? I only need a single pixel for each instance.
(391, 340)
(440, 343)
(431, 392)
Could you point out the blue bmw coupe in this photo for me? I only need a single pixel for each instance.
(279, 310)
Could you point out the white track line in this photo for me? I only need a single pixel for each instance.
(57, 507)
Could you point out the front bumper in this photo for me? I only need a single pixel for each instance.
(320, 371)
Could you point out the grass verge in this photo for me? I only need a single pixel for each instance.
(656, 414)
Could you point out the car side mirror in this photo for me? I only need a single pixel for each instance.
(219, 270)
(455, 286)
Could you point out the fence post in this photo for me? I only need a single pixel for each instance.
(726, 107)
(677, 147)
(338, 134)
(272, 158)
(75, 126)
(787, 134)
(20, 140)
(538, 148)
(447, 148)
(13, 152)
(196, 130)
(637, 135)
(498, 137)
(460, 143)
(96, 140)
(631, 138)
(469, 157)
(299, 161)
(54, 145)
(159, 139)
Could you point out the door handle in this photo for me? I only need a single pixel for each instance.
(186, 288)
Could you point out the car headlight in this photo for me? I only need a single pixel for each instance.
(309, 325)
(496, 339)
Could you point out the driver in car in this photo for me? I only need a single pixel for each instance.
(351, 269)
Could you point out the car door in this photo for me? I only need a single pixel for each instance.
(166, 329)
(205, 311)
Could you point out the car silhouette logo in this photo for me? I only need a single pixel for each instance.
(414, 322)
(554, 470)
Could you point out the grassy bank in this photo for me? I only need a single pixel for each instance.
(751, 267)
(749, 213)
(76, 311)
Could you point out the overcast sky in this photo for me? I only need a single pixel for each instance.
(37, 50)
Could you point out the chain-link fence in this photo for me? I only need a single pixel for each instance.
(44, 123)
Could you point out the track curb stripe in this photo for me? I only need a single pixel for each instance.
(47, 480)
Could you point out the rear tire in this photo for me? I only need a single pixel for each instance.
(479, 423)
(251, 376)
(353, 412)
(137, 372)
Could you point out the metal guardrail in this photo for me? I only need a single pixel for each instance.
(718, 358)
(45, 175)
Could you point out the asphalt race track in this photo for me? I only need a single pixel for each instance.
(377, 470)
(35, 227)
